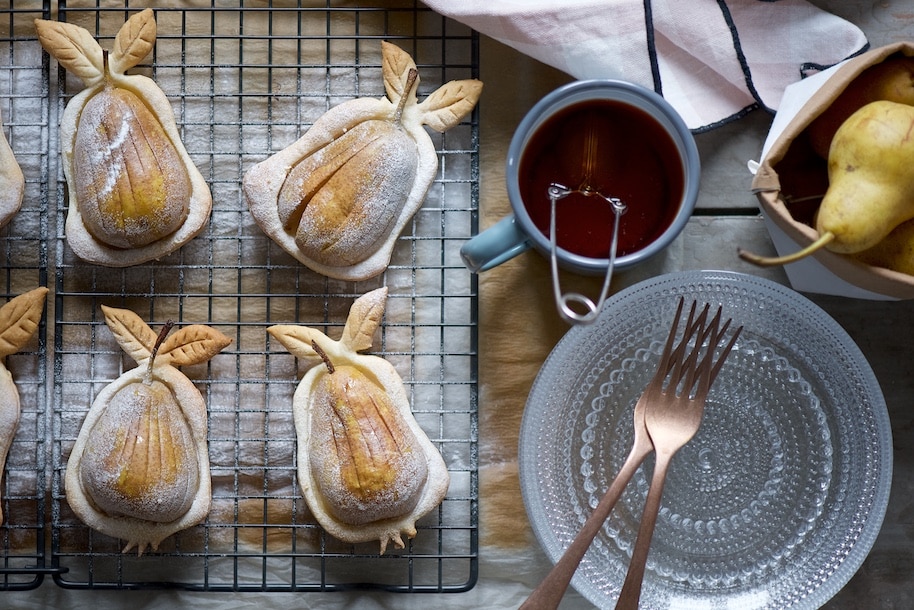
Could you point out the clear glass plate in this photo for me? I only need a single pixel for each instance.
(779, 497)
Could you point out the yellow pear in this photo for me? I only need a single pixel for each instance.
(892, 80)
(895, 252)
(871, 185)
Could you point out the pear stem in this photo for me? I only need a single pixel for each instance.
(771, 261)
(411, 77)
(320, 352)
(788, 199)
(155, 349)
(106, 73)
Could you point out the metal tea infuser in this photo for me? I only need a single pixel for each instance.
(557, 191)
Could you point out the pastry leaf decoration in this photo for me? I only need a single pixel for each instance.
(396, 65)
(298, 340)
(364, 318)
(449, 103)
(19, 320)
(74, 48)
(131, 332)
(134, 41)
(192, 345)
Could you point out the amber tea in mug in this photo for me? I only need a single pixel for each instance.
(631, 157)
(599, 139)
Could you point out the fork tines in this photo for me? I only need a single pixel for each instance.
(700, 366)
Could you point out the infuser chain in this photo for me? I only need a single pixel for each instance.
(556, 191)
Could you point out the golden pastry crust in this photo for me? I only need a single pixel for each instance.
(338, 198)
(367, 469)
(140, 141)
(139, 469)
(12, 182)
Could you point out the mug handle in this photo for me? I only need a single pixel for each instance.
(498, 244)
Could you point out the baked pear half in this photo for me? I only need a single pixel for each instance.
(338, 198)
(139, 469)
(367, 469)
(19, 319)
(135, 195)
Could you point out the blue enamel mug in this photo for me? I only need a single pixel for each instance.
(601, 175)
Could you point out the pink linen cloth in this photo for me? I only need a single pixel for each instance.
(713, 60)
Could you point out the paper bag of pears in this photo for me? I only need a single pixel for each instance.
(837, 161)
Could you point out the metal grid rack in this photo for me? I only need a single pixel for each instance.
(244, 83)
(24, 259)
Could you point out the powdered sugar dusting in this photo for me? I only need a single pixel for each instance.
(356, 255)
(393, 471)
(112, 158)
(356, 210)
(141, 459)
(198, 202)
(139, 532)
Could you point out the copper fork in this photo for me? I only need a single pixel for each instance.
(550, 591)
(672, 419)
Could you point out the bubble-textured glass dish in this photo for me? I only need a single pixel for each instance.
(775, 502)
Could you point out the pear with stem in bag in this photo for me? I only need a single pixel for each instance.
(870, 183)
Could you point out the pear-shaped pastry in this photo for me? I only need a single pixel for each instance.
(338, 198)
(12, 182)
(19, 319)
(139, 469)
(134, 193)
(367, 469)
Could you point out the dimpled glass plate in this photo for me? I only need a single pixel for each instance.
(774, 503)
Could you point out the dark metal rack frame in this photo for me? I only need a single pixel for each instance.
(24, 107)
(246, 80)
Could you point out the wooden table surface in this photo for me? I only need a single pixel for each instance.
(727, 216)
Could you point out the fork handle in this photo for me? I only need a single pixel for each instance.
(550, 591)
(631, 588)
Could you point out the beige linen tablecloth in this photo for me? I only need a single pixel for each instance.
(518, 324)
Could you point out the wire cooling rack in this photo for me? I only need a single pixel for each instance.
(245, 80)
(24, 259)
